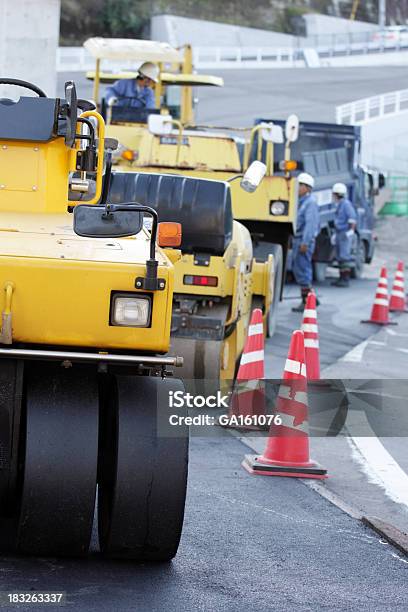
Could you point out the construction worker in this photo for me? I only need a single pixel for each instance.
(135, 93)
(303, 245)
(345, 224)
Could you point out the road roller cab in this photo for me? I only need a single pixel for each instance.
(85, 373)
(216, 277)
(117, 59)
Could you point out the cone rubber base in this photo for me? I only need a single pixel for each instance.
(379, 322)
(398, 310)
(253, 465)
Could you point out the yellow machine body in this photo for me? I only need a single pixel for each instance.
(62, 284)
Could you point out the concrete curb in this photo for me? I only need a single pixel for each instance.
(391, 534)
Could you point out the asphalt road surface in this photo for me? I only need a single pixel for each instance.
(311, 93)
(249, 543)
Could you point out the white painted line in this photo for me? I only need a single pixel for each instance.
(356, 353)
(375, 461)
(377, 343)
(392, 332)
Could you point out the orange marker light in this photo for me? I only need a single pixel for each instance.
(169, 234)
(128, 154)
(288, 165)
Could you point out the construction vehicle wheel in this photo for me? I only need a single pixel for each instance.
(359, 253)
(11, 396)
(142, 474)
(61, 455)
(276, 251)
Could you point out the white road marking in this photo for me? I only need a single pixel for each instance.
(392, 332)
(356, 353)
(375, 461)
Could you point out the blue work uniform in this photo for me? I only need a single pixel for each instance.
(345, 214)
(307, 228)
(129, 93)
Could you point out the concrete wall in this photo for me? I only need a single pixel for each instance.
(323, 25)
(29, 31)
(384, 143)
(181, 30)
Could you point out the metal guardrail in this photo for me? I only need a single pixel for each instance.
(70, 59)
(369, 109)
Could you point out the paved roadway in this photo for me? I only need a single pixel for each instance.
(313, 94)
(249, 544)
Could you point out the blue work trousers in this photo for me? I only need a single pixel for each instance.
(343, 249)
(302, 266)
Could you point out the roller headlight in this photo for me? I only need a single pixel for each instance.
(130, 311)
(278, 208)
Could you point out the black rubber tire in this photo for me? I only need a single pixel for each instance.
(61, 454)
(142, 475)
(359, 257)
(276, 251)
(11, 432)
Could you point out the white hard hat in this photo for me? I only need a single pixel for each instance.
(339, 189)
(306, 179)
(149, 70)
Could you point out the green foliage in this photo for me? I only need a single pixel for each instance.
(124, 18)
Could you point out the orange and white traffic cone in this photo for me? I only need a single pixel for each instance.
(248, 397)
(397, 301)
(380, 309)
(311, 336)
(287, 449)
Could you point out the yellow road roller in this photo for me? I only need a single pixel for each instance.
(216, 277)
(217, 280)
(167, 139)
(86, 294)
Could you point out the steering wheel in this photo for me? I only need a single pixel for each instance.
(25, 84)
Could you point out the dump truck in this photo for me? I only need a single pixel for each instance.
(85, 373)
(331, 153)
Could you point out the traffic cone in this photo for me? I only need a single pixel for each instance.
(248, 397)
(311, 336)
(287, 449)
(380, 309)
(397, 301)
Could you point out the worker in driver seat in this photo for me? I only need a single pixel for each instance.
(135, 93)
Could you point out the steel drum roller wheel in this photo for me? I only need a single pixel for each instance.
(142, 475)
(61, 452)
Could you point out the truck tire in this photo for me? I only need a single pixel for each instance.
(359, 253)
(276, 251)
(319, 271)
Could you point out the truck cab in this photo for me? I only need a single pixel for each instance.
(331, 153)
